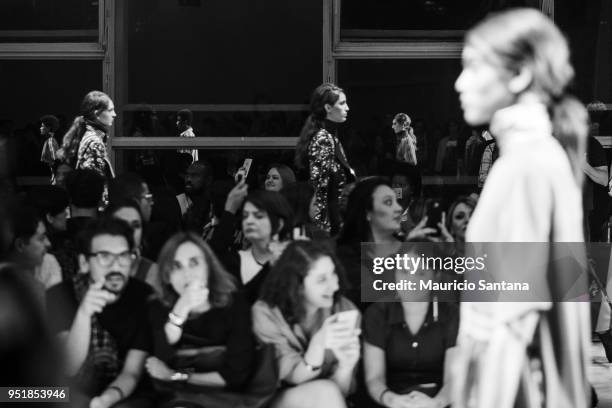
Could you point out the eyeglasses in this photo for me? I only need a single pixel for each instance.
(106, 258)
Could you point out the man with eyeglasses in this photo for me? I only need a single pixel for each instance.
(102, 321)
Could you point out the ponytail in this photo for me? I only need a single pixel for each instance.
(70, 143)
(311, 126)
(570, 128)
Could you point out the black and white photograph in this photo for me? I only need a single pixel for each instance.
(306, 203)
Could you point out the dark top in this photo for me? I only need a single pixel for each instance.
(595, 197)
(125, 320)
(65, 249)
(411, 359)
(228, 327)
(222, 243)
(198, 214)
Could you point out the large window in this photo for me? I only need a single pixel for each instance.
(44, 87)
(401, 19)
(379, 89)
(52, 52)
(49, 21)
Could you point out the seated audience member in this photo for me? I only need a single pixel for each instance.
(203, 340)
(27, 357)
(300, 197)
(373, 215)
(405, 344)
(278, 177)
(406, 181)
(220, 191)
(101, 319)
(195, 203)
(85, 189)
(266, 226)
(30, 245)
(52, 204)
(143, 268)
(298, 312)
(457, 219)
(132, 186)
(61, 171)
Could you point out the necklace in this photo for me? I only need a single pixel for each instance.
(256, 260)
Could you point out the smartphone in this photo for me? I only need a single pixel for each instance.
(398, 192)
(243, 172)
(434, 214)
(348, 316)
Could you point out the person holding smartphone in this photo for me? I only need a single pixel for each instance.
(373, 215)
(266, 222)
(313, 327)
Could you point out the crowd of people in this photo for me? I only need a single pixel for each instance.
(235, 291)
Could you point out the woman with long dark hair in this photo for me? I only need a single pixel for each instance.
(84, 145)
(373, 215)
(320, 152)
(516, 70)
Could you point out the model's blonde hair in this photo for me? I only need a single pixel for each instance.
(524, 37)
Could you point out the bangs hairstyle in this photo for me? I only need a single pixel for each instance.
(525, 38)
(276, 207)
(221, 284)
(283, 287)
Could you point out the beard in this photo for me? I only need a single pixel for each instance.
(115, 282)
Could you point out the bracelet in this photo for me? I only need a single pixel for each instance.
(119, 390)
(382, 394)
(310, 367)
(176, 320)
(179, 377)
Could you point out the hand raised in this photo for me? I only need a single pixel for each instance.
(96, 299)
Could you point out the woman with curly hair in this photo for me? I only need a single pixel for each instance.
(319, 150)
(300, 312)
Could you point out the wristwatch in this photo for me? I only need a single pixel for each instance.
(179, 377)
